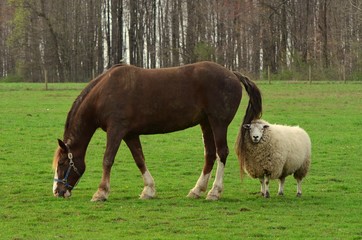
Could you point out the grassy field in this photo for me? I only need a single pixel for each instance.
(31, 120)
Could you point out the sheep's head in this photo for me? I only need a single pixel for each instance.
(256, 130)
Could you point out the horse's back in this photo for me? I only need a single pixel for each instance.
(205, 73)
(169, 99)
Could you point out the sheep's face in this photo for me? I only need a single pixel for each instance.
(256, 131)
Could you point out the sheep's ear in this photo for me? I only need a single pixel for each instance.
(246, 126)
(265, 126)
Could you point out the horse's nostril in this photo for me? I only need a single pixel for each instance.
(59, 193)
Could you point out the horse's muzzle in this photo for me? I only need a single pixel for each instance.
(62, 193)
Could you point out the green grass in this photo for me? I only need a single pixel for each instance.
(31, 120)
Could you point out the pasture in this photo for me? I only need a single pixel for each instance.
(31, 120)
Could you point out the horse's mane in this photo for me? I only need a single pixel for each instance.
(83, 95)
(56, 158)
(80, 99)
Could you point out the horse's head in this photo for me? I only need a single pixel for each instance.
(68, 170)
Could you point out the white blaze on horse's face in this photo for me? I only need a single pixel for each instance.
(256, 131)
(55, 183)
(66, 174)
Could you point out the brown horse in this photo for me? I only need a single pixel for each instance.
(127, 101)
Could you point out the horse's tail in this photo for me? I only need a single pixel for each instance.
(253, 111)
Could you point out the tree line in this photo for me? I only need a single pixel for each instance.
(76, 40)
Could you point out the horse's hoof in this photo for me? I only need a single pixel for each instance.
(146, 196)
(99, 197)
(148, 193)
(299, 194)
(212, 197)
(193, 195)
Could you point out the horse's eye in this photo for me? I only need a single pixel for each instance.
(61, 162)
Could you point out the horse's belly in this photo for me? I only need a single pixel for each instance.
(166, 121)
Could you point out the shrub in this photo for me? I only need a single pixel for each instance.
(11, 78)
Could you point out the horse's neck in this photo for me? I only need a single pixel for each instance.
(78, 135)
(81, 124)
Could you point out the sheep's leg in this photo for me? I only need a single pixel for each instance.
(281, 186)
(299, 187)
(300, 174)
(266, 183)
(262, 186)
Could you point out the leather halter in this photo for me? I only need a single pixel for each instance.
(65, 179)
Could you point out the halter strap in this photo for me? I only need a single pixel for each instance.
(71, 166)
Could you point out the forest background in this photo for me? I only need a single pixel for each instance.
(75, 40)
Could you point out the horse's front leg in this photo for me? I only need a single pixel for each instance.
(134, 144)
(113, 142)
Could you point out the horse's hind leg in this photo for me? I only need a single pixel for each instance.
(134, 145)
(222, 153)
(210, 156)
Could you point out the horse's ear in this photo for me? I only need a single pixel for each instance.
(62, 145)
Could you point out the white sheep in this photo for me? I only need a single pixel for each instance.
(269, 151)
